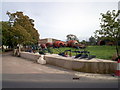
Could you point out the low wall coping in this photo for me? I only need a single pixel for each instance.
(81, 60)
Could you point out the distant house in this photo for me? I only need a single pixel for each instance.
(47, 40)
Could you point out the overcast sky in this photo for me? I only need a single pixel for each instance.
(58, 19)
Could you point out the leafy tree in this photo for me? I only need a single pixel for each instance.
(83, 42)
(110, 27)
(20, 35)
(92, 40)
(6, 34)
(71, 37)
(22, 28)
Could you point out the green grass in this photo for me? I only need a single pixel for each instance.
(101, 52)
(62, 49)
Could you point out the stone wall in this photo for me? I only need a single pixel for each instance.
(30, 56)
(82, 65)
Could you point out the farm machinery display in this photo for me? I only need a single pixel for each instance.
(79, 49)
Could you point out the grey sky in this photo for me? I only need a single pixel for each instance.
(58, 19)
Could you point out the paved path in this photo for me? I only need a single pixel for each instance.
(20, 73)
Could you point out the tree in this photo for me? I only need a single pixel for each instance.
(20, 35)
(92, 40)
(83, 42)
(71, 37)
(6, 34)
(22, 28)
(110, 27)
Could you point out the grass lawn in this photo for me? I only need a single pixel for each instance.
(101, 52)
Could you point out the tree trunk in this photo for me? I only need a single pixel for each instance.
(117, 50)
(19, 49)
(2, 48)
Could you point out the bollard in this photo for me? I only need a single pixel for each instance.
(117, 71)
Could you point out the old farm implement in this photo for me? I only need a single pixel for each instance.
(71, 48)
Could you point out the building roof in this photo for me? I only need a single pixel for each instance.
(49, 38)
